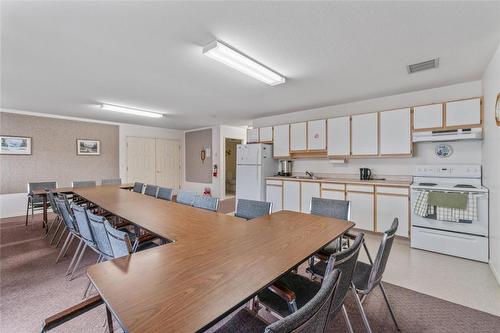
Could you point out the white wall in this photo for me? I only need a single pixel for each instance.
(464, 152)
(491, 157)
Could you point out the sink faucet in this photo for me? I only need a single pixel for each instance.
(310, 174)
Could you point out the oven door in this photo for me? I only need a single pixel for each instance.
(477, 227)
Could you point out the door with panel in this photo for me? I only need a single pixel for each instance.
(463, 113)
(141, 160)
(395, 132)
(308, 190)
(364, 129)
(281, 141)
(390, 206)
(266, 134)
(339, 137)
(274, 194)
(428, 117)
(332, 194)
(291, 195)
(298, 137)
(316, 135)
(362, 209)
(168, 163)
(252, 135)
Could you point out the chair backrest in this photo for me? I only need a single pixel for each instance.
(65, 211)
(339, 209)
(151, 190)
(208, 203)
(165, 193)
(313, 316)
(378, 266)
(250, 209)
(111, 181)
(100, 234)
(185, 197)
(50, 196)
(32, 186)
(345, 261)
(83, 224)
(84, 183)
(119, 240)
(138, 187)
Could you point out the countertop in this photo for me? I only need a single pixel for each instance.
(342, 180)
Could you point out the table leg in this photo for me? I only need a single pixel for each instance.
(45, 211)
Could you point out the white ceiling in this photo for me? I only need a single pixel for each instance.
(65, 57)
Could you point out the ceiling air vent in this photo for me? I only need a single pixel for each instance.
(422, 66)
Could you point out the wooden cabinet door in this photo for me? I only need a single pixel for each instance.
(274, 195)
(339, 137)
(316, 135)
(428, 117)
(465, 112)
(395, 132)
(291, 195)
(362, 210)
(308, 191)
(281, 141)
(364, 129)
(298, 134)
(266, 134)
(389, 207)
(252, 135)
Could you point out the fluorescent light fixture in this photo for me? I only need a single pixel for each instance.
(137, 112)
(236, 60)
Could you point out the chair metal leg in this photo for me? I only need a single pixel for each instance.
(89, 284)
(360, 309)
(66, 245)
(56, 232)
(68, 271)
(389, 305)
(346, 318)
(27, 212)
(67, 248)
(78, 262)
(60, 237)
(47, 231)
(110, 320)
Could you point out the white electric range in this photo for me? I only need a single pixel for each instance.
(466, 239)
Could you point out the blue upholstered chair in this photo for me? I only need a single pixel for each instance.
(111, 181)
(313, 317)
(83, 183)
(185, 197)
(35, 202)
(204, 202)
(151, 190)
(138, 187)
(250, 209)
(165, 193)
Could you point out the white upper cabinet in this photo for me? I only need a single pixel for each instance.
(364, 134)
(428, 117)
(464, 112)
(266, 134)
(316, 135)
(339, 136)
(281, 141)
(252, 135)
(298, 137)
(395, 132)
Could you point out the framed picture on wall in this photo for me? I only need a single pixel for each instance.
(88, 147)
(15, 145)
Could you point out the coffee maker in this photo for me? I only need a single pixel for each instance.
(285, 168)
(365, 174)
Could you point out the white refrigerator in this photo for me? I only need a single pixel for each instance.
(254, 162)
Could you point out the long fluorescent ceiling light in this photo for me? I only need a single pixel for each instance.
(236, 60)
(137, 112)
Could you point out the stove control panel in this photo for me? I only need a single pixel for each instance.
(448, 171)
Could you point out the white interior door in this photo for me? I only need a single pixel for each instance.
(167, 163)
(141, 160)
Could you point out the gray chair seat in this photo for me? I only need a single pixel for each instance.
(304, 290)
(362, 275)
(243, 321)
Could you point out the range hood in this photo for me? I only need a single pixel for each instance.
(449, 135)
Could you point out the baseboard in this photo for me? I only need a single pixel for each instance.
(495, 273)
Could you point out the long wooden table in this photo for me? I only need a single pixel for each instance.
(215, 263)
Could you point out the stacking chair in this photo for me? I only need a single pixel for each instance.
(313, 317)
(208, 203)
(151, 190)
(368, 276)
(35, 202)
(138, 187)
(71, 227)
(164, 193)
(83, 183)
(111, 181)
(185, 197)
(250, 209)
(57, 219)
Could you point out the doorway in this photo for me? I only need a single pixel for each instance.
(230, 165)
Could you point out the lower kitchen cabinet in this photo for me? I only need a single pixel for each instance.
(274, 194)
(333, 194)
(389, 207)
(291, 195)
(362, 209)
(308, 191)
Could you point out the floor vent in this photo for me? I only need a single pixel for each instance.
(422, 66)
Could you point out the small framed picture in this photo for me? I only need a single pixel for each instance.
(88, 147)
(15, 145)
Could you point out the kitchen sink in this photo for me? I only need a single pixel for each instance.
(307, 177)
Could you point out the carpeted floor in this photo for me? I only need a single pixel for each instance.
(33, 287)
